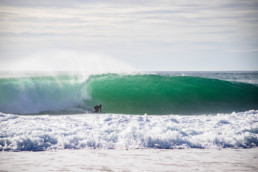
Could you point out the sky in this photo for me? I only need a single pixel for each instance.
(117, 35)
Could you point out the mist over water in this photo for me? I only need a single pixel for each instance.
(84, 63)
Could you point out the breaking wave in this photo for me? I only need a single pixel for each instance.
(126, 94)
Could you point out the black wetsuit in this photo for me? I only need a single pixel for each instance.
(97, 108)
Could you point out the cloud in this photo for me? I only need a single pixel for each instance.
(243, 50)
(127, 29)
(174, 22)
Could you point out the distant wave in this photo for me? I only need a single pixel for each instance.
(126, 94)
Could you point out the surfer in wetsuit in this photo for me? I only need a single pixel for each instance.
(97, 108)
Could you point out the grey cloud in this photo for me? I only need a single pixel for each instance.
(251, 4)
(130, 29)
(45, 3)
(69, 3)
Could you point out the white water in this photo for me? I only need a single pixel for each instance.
(114, 131)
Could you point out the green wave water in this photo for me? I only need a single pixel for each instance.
(155, 94)
(126, 94)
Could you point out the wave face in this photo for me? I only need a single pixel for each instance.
(126, 94)
(114, 131)
(155, 94)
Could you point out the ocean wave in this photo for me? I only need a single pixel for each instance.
(118, 131)
(126, 94)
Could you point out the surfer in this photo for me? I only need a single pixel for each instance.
(97, 108)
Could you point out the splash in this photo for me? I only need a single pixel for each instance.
(79, 62)
(115, 131)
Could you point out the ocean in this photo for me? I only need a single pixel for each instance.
(152, 111)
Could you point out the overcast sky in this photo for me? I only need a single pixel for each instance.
(152, 35)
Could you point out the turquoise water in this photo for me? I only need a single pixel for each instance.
(155, 94)
(128, 94)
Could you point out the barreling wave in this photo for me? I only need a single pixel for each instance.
(126, 94)
(155, 94)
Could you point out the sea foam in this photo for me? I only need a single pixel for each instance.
(118, 131)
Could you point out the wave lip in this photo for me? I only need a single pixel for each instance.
(113, 131)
